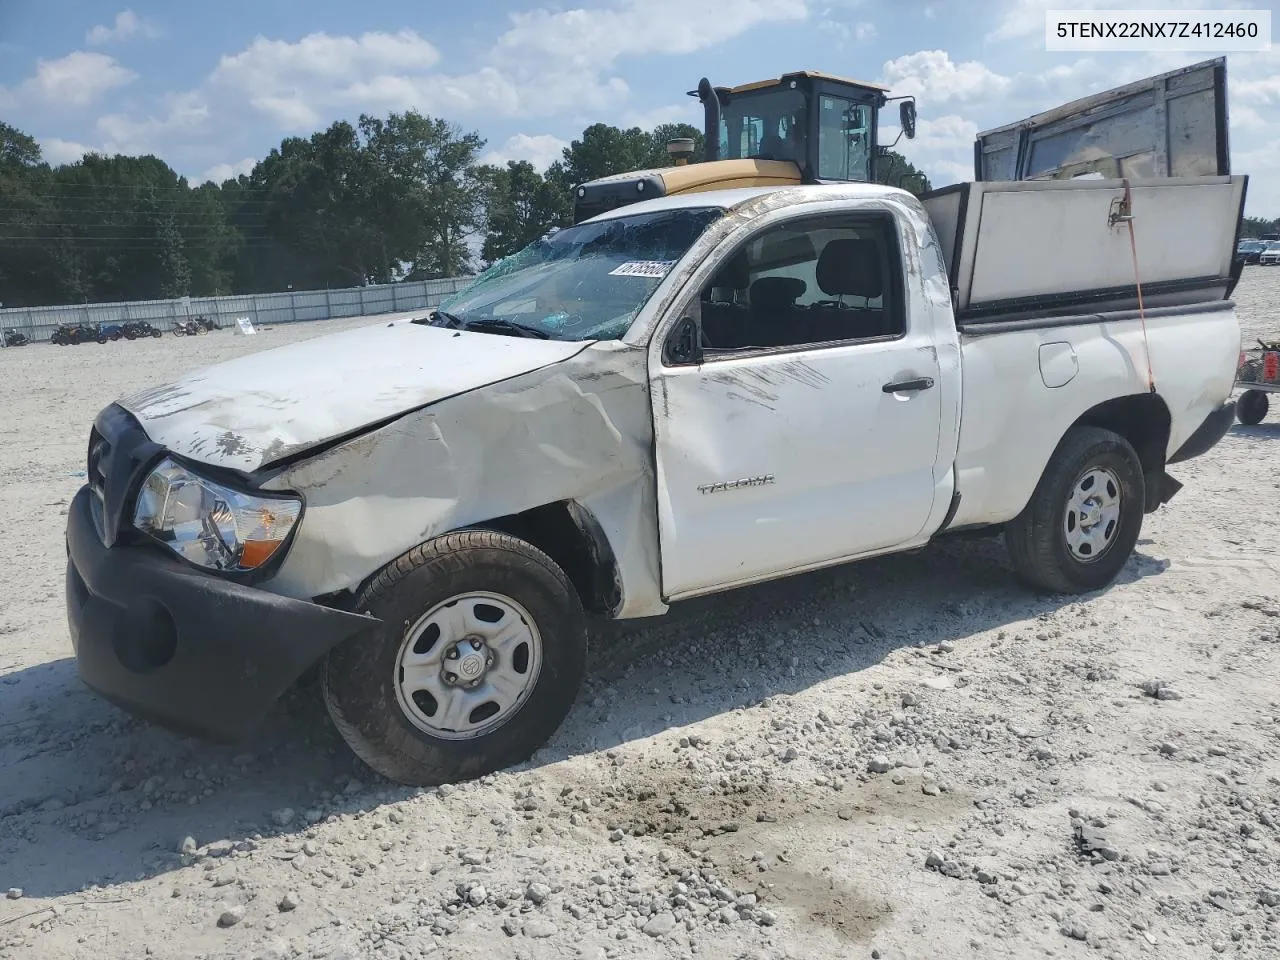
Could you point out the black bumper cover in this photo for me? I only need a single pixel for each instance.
(182, 648)
(1208, 434)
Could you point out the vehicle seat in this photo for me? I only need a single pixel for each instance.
(852, 268)
(776, 295)
(774, 317)
(722, 321)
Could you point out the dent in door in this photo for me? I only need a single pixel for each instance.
(1058, 364)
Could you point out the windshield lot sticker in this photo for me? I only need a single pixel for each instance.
(642, 268)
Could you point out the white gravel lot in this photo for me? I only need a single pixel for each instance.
(885, 760)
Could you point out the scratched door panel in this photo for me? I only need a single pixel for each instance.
(768, 463)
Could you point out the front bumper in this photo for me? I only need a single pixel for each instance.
(1207, 435)
(182, 648)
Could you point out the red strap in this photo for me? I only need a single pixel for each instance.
(1137, 280)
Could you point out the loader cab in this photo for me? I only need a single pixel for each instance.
(824, 125)
(804, 127)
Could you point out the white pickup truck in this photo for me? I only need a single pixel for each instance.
(676, 398)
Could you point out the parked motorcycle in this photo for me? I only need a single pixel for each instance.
(139, 328)
(112, 331)
(15, 338)
(77, 333)
(191, 328)
(188, 328)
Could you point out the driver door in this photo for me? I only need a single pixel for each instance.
(809, 429)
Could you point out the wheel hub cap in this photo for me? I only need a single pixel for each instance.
(1091, 514)
(1092, 517)
(467, 665)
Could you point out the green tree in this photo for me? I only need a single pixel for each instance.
(521, 206)
(664, 133)
(895, 170)
(26, 263)
(304, 208)
(121, 228)
(18, 149)
(425, 170)
(1256, 227)
(602, 151)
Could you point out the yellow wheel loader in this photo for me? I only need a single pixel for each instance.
(804, 127)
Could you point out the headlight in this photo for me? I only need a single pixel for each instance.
(212, 525)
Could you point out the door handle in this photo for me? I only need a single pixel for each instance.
(903, 386)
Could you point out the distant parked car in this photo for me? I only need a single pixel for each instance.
(1250, 250)
(1271, 255)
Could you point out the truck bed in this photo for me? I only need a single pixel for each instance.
(1170, 125)
(1042, 248)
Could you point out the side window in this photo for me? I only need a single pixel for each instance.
(809, 282)
(844, 139)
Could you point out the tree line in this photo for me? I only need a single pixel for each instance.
(404, 197)
(1255, 227)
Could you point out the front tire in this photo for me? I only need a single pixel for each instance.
(1083, 520)
(1252, 407)
(479, 659)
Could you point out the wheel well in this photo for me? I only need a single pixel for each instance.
(572, 537)
(1143, 419)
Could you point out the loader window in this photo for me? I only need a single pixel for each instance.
(818, 281)
(768, 124)
(844, 139)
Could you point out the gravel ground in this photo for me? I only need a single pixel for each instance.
(912, 757)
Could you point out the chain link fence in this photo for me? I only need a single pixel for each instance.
(265, 309)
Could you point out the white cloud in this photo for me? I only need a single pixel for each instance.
(295, 83)
(228, 171)
(128, 24)
(942, 148)
(951, 132)
(1264, 192)
(541, 150)
(859, 32)
(76, 80)
(546, 63)
(932, 76)
(690, 112)
(599, 38)
(1264, 90)
(188, 115)
(559, 60)
(58, 152)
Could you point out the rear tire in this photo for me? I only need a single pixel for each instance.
(1252, 407)
(1083, 520)
(389, 694)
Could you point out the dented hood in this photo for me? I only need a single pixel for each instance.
(255, 410)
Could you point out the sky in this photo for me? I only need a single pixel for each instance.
(210, 88)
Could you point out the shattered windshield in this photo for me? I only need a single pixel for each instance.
(586, 282)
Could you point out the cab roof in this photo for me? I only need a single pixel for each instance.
(812, 74)
(729, 199)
